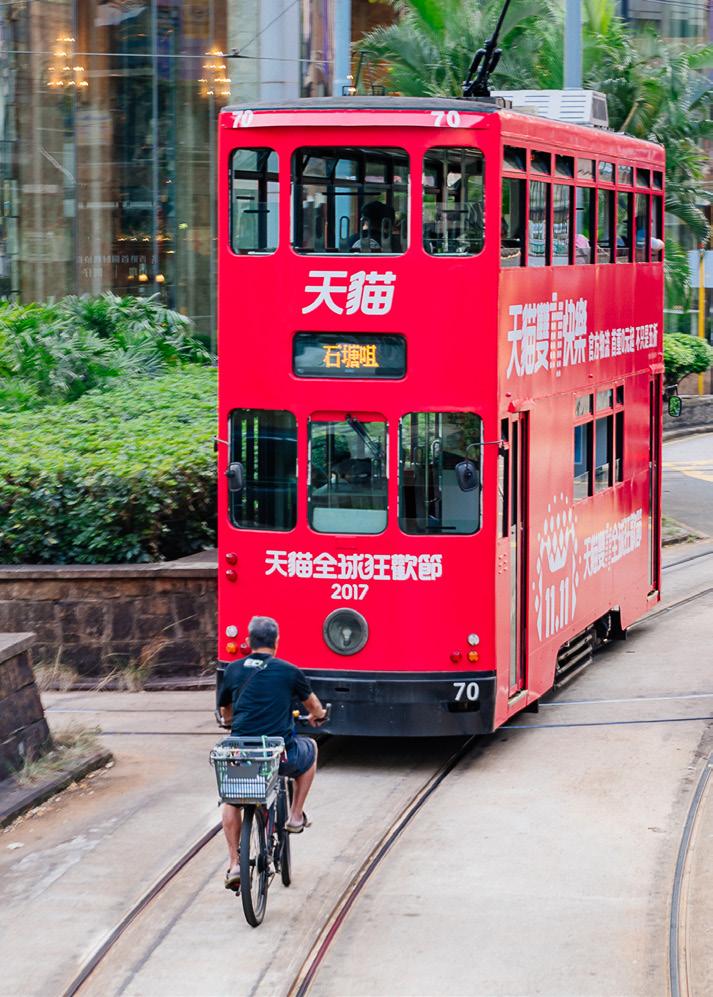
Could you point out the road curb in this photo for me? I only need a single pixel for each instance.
(16, 800)
(679, 434)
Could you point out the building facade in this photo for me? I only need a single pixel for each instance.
(107, 133)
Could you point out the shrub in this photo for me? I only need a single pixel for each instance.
(122, 475)
(58, 352)
(684, 354)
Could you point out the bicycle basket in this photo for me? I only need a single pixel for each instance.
(246, 768)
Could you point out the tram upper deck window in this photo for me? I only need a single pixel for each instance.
(350, 200)
(538, 229)
(347, 475)
(512, 224)
(440, 472)
(264, 443)
(254, 195)
(453, 206)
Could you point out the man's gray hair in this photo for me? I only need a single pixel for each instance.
(263, 631)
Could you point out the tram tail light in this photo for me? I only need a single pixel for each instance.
(456, 656)
(231, 558)
(244, 647)
(231, 575)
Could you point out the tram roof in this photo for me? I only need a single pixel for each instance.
(373, 103)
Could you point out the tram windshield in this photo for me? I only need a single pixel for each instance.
(347, 476)
(350, 200)
(433, 447)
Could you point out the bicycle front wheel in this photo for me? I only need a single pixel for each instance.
(254, 865)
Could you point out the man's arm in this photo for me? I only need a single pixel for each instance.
(226, 714)
(316, 711)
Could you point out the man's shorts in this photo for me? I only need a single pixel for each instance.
(301, 755)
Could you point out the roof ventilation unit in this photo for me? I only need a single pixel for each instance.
(576, 107)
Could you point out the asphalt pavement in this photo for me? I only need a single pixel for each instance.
(688, 482)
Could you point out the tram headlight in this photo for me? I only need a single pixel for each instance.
(345, 631)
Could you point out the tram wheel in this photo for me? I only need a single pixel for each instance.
(254, 877)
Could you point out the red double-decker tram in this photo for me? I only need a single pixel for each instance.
(440, 331)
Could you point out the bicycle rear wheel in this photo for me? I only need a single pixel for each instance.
(253, 865)
(283, 812)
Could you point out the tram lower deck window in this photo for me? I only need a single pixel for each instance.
(347, 475)
(350, 200)
(440, 472)
(264, 443)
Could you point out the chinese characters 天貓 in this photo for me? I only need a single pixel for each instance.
(551, 335)
(370, 293)
(360, 567)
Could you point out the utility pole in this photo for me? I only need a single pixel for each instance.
(573, 44)
(701, 304)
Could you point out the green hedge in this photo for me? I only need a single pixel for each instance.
(118, 476)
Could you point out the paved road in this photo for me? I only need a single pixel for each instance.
(688, 482)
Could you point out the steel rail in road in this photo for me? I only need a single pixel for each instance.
(303, 980)
(677, 949)
(115, 934)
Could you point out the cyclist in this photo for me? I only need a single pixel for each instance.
(256, 698)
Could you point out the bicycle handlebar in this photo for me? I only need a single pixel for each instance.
(295, 713)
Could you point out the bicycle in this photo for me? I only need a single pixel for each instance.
(247, 772)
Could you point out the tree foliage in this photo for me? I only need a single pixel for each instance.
(656, 90)
(51, 353)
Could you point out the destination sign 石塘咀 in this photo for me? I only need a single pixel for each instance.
(320, 354)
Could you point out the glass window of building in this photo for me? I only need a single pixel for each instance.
(440, 472)
(453, 202)
(347, 491)
(512, 225)
(264, 443)
(562, 224)
(350, 200)
(254, 201)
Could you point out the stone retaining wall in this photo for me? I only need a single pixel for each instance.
(149, 619)
(23, 728)
(697, 413)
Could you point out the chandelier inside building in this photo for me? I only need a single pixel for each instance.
(64, 75)
(214, 82)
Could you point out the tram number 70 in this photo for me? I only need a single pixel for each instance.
(466, 690)
(451, 119)
(243, 119)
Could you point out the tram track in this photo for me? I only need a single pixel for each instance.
(679, 976)
(325, 936)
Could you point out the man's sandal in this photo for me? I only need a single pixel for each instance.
(293, 828)
(232, 880)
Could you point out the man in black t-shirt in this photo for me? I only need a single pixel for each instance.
(256, 698)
